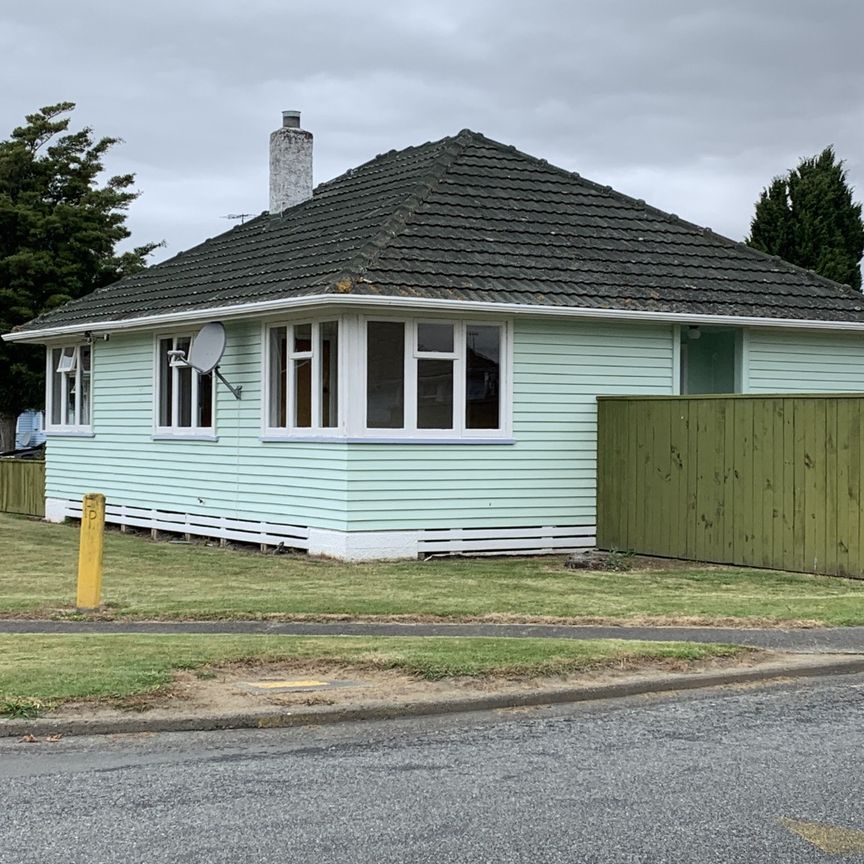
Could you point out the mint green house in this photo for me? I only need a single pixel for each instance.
(419, 345)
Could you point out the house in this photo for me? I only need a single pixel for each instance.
(420, 343)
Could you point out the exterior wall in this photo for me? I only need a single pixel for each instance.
(548, 476)
(235, 476)
(786, 361)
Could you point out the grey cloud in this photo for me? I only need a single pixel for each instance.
(690, 105)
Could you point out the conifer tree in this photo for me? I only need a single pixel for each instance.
(59, 230)
(808, 218)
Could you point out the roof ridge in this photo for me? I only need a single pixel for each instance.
(674, 218)
(369, 252)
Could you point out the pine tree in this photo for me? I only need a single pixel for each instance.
(809, 218)
(59, 229)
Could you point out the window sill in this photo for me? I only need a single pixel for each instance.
(334, 439)
(275, 437)
(184, 436)
(70, 433)
(398, 439)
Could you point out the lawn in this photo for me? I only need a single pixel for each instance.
(146, 579)
(54, 668)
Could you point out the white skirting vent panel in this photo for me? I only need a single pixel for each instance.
(219, 527)
(507, 541)
(347, 545)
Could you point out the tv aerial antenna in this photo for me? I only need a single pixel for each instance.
(241, 216)
(205, 352)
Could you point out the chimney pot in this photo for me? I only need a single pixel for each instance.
(291, 119)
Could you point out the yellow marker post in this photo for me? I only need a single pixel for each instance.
(90, 552)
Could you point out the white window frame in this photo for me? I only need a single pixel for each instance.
(682, 357)
(173, 431)
(316, 430)
(76, 428)
(459, 432)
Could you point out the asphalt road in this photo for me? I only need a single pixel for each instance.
(704, 777)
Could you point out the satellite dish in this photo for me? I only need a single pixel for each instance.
(207, 348)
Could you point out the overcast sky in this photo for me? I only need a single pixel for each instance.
(691, 105)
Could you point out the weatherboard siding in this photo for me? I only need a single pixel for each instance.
(548, 476)
(784, 361)
(236, 476)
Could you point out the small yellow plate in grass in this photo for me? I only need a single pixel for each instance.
(302, 684)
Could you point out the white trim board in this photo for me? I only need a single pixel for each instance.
(346, 545)
(247, 310)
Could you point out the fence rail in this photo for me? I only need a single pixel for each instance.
(769, 481)
(22, 486)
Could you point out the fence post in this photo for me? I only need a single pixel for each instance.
(90, 552)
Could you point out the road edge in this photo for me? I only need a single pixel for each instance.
(281, 718)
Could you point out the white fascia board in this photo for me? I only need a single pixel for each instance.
(248, 310)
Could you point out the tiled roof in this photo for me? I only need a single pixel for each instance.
(467, 218)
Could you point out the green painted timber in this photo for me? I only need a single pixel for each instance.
(22, 487)
(766, 481)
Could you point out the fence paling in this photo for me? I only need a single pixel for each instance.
(756, 480)
(22, 487)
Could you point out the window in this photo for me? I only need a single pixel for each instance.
(709, 360)
(69, 391)
(303, 378)
(184, 397)
(385, 375)
(434, 377)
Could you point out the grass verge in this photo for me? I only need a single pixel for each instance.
(144, 579)
(56, 668)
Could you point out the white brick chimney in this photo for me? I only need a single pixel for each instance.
(290, 164)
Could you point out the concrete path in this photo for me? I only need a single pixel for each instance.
(843, 640)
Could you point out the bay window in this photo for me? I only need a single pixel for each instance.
(386, 378)
(69, 391)
(434, 377)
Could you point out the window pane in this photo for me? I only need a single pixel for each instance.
(84, 356)
(385, 375)
(184, 396)
(302, 338)
(85, 400)
(483, 377)
(329, 331)
(69, 412)
(708, 357)
(56, 395)
(205, 400)
(166, 381)
(184, 388)
(434, 394)
(435, 337)
(303, 393)
(278, 377)
(67, 360)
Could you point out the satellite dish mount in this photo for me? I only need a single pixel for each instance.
(206, 351)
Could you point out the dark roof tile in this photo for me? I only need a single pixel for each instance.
(467, 218)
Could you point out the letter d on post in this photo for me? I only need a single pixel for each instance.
(90, 553)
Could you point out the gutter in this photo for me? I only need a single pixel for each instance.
(248, 310)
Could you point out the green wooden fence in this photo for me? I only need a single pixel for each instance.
(766, 481)
(22, 487)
